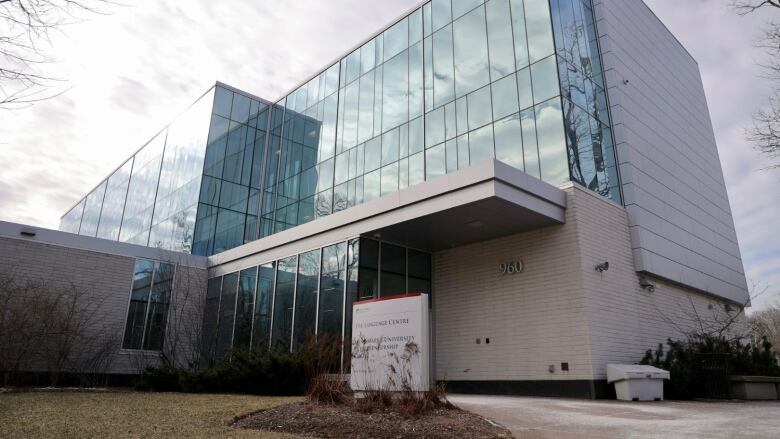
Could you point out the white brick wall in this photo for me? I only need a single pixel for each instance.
(559, 309)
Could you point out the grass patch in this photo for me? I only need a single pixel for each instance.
(129, 415)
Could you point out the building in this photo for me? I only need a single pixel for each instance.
(545, 169)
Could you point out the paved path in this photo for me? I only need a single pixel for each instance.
(582, 419)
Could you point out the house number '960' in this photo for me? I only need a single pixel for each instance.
(512, 267)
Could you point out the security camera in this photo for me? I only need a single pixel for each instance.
(646, 284)
(604, 266)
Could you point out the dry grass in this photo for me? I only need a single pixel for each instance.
(129, 415)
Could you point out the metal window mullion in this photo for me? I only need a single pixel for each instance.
(379, 269)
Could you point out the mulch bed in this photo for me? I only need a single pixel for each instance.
(343, 421)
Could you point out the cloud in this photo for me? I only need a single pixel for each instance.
(133, 71)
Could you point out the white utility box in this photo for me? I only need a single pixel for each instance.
(636, 382)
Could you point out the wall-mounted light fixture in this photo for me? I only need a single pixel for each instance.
(602, 267)
(28, 232)
(646, 284)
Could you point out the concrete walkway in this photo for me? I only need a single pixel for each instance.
(583, 419)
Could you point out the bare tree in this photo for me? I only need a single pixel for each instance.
(26, 28)
(53, 328)
(765, 132)
(766, 324)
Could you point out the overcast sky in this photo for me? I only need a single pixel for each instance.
(133, 71)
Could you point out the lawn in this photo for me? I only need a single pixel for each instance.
(128, 415)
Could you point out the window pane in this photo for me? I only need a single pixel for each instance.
(416, 137)
(460, 7)
(443, 76)
(157, 317)
(245, 302)
(92, 207)
(395, 96)
(504, 97)
(509, 141)
(435, 165)
(452, 155)
(481, 144)
(114, 202)
(390, 179)
(227, 314)
(210, 317)
(367, 57)
(223, 102)
(390, 146)
(261, 328)
(552, 143)
(416, 169)
(139, 299)
(471, 53)
(393, 270)
(368, 279)
(306, 297)
(332, 291)
(530, 149)
(371, 186)
(434, 127)
(499, 25)
(415, 26)
(416, 84)
(480, 108)
(544, 75)
(396, 39)
(366, 108)
(353, 261)
(373, 152)
(283, 303)
(441, 13)
(540, 37)
(463, 151)
(524, 88)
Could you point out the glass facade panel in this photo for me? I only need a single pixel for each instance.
(356, 131)
(176, 203)
(319, 291)
(332, 284)
(114, 202)
(306, 291)
(242, 334)
(261, 328)
(91, 215)
(210, 320)
(227, 316)
(284, 297)
(472, 69)
(147, 314)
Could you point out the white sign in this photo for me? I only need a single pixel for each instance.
(391, 344)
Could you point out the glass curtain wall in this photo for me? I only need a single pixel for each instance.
(588, 134)
(152, 198)
(229, 195)
(304, 296)
(452, 84)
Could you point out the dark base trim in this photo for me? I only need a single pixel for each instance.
(585, 389)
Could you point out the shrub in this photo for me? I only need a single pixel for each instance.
(260, 371)
(682, 359)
